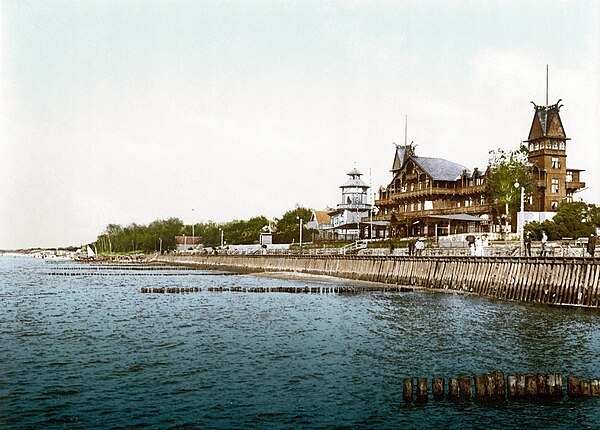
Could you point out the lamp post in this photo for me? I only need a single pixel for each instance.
(160, 245)
(521, 218)
(193, 235)
(375, 210)
(298, 218)
(221, 230)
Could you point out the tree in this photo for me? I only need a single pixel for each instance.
(288, 227)
(134, 237)
(574, 220)
(509, 171)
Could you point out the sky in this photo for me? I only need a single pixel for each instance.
(131, 111)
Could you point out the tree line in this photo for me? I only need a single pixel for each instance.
(160, 234)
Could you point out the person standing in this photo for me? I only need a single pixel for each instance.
(478, 247)
(420, 246)
(528, 245)
(471, 243)
(544, 241)
(591, 245)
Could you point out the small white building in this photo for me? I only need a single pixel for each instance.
(187, 243)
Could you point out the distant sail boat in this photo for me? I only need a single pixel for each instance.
(90, 252)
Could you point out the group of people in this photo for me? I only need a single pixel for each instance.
(476, 245)
(591, 244)
(416, 247)
(543, 242)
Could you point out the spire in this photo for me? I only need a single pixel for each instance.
(405, 129)
(546, 85)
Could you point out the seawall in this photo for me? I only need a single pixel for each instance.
(555, 281)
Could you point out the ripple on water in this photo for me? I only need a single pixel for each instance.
(92, 352)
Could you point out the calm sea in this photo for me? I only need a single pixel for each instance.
(91, 351)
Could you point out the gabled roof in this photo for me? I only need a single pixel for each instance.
(188, 240)
(402, 153)
(322, 217)
(440, 169)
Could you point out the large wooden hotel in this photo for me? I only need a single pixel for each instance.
(434, 197)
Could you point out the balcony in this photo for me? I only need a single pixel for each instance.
(475, 210)
(575, 185)
(397, 196)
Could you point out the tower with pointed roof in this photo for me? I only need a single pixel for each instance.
(547, 145)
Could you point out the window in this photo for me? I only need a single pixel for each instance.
(561, 145)
(555, 186)
(555, 163)
(569, 177)
(554, 204)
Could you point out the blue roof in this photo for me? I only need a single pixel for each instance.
(440, 169)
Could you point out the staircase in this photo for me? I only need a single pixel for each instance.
(354, 247)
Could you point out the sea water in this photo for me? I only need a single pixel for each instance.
(92, 351)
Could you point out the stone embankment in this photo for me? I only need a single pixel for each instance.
(555, 281)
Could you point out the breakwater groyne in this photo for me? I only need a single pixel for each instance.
(493, 387)
(551, 280)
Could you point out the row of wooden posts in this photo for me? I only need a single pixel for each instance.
(492, 387)
(325, 289)
(560, 281)
(118, 273)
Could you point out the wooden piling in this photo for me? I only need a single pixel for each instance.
(531, 390)
(407, 390)
(555, 385)
(573, 387)
(422, 390)
(437, 387)
(511, 386)
(585, 388)
(542, 385)
(464, 388)
(490, 387)
(453, 389)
